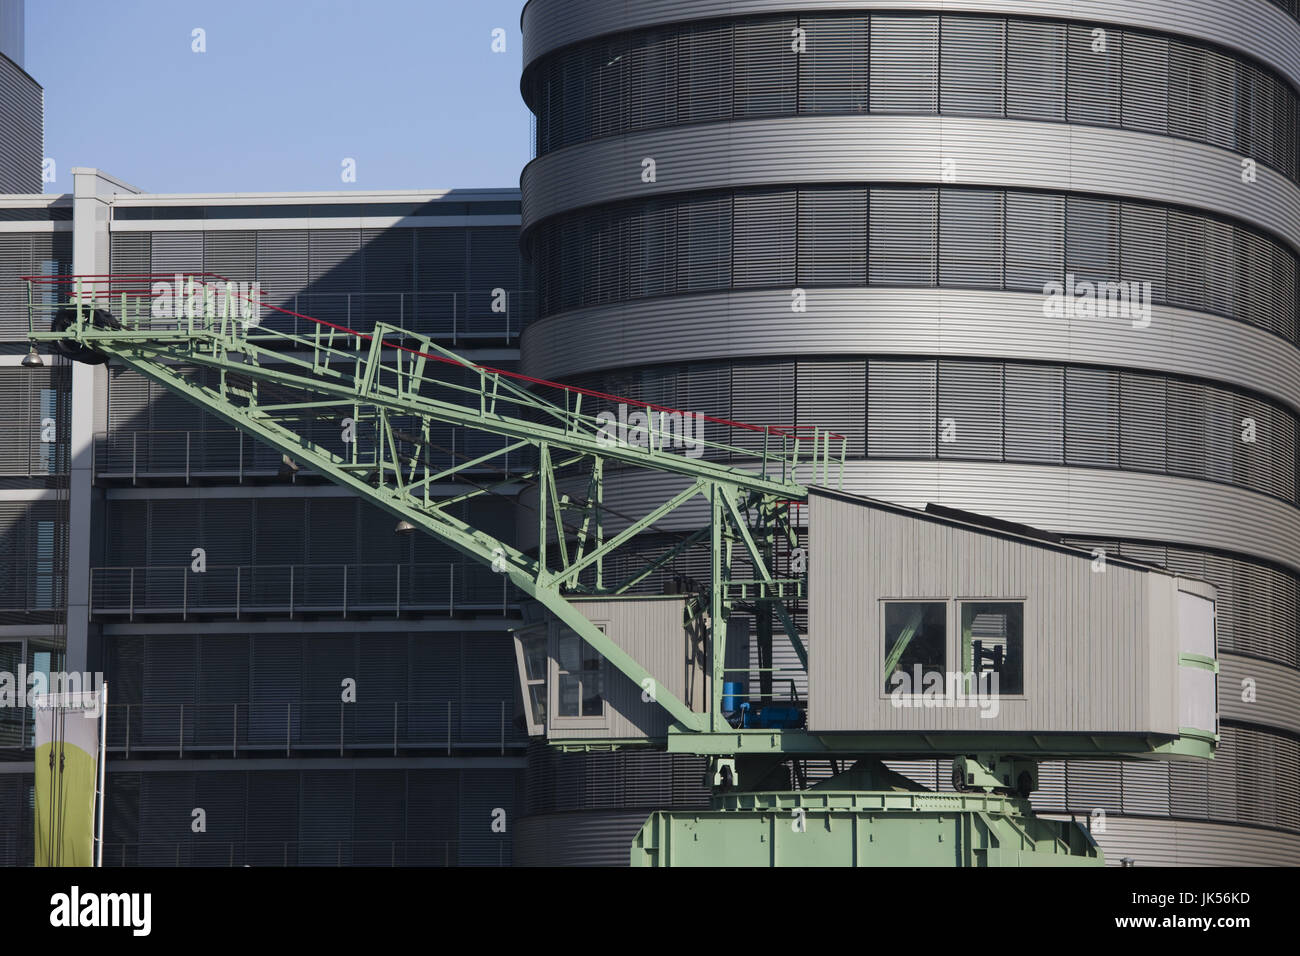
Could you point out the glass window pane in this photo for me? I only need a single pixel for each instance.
(916, 640)
(993, 643)
(570, 690)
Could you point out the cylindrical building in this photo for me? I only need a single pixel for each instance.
(1035, 261)
(22, 108)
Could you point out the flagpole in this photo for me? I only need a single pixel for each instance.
(103, 762)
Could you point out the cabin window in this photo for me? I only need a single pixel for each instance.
(916, 644)
(580, 685)
(993, 646)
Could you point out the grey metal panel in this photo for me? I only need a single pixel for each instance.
(1086, 635)
(584, 838)
(906, 322)
(22, 117)
(1190, 843)
(1275, 688)
(825, 149)
(1076, 501)
(24, 254)
(1255, 27)
(650, 630)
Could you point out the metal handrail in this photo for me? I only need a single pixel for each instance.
(276, 724)
(199, 851)
(239, 589)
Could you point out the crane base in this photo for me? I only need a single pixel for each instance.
(862, 828)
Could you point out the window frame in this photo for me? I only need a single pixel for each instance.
(555, 720)
(960, 635)
(882, 685)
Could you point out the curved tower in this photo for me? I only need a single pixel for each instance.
(22, 108)
(1035, 261)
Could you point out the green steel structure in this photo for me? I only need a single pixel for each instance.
(393, 389)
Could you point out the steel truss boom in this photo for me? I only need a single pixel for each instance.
(395, 389)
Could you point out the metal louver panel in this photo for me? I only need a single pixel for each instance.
(652, 91)
(1143, 421)
(1145, 61)
(832, 237)
(970, 238)
(765, 67)
(1092, 243)
(129, 253)
(333, 272)
(1219, 267)
(833, 72)
(1093, 785)
(904, 64)
(1146, 787)
(653, 260)
(493, 264)
(1186, 436)
(388, 266)
(704, 242)
(1035, 240)
(608, 85)
(708, 392)
(901, 404)
(176, 252)
(1187, 91)
(1092, 417)
(1186, 259)
(325, 821)
(24, 254)
(764, 243)
(274, 825)
(1143, 256)
(831, 394)
(1095, 56)
(1035, 410)
(903, 230)
(1036, 70)
(762, 393)
(441, 274)
(972, 57)
(1221, 109)
(482, 794)
(281, 268)
(705, 72)
(970, 410)
(232, 255)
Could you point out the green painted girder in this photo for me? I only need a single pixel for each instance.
(381, 383)
(888, 743)
(861, 828)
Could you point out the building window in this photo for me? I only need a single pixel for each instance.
(530, 650)
(993, 645)
(580, 684)
(916, 644)
(12, 713)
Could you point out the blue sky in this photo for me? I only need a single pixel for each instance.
(287, 89)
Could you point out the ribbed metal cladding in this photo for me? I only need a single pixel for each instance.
(823, 170)
(1266, 29)
(22, 117)
(952, 65)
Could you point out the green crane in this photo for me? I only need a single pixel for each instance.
(397, 388)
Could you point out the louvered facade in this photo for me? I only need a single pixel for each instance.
(22, 108)
(882, 218)
(227, 684)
